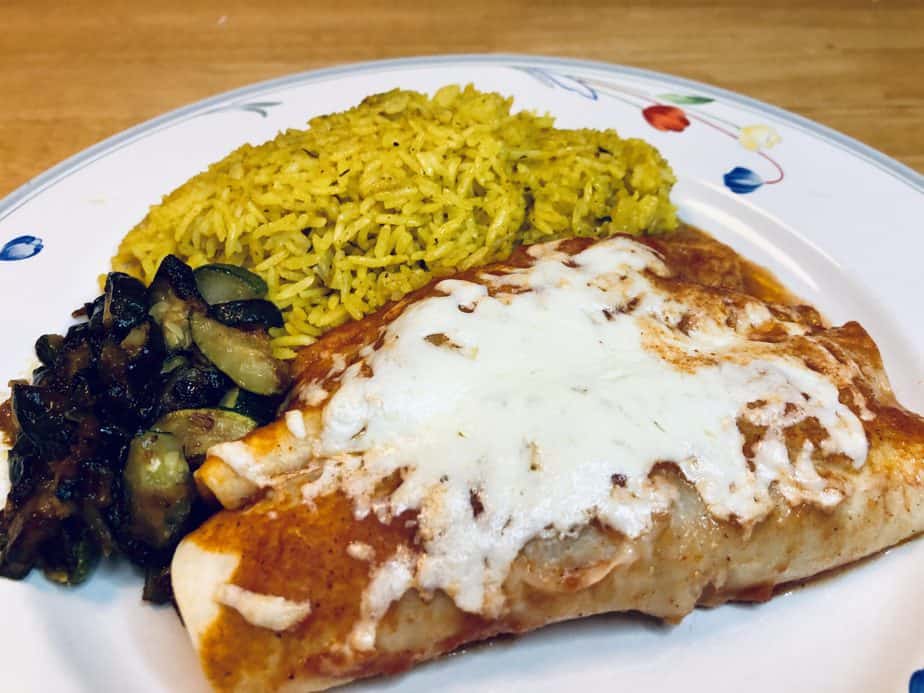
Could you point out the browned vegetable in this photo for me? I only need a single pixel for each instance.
(221, 283)
(199, 429)
(89, 475)
(245, 357)
(159, 489)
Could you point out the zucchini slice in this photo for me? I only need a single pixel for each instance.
(159, 486)
(245, 357)
(250, 314)
(260, 408)
(220, 283)
(70, 557)
(173, 363)
(199, 429)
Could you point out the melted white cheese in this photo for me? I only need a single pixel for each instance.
(361, 551)
(238, 455)
(388, 583)
(295, 422)
(263, 610)
(530, 414)
(312, 394)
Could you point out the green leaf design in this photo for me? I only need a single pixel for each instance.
(685, 99)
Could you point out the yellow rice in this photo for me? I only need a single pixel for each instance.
(369, 204)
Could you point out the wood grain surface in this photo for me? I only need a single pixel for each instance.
(73, 72)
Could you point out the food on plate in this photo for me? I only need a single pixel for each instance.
(369, 204)
(288, 239)
(430, 371)
(122, 410)
(593, 425)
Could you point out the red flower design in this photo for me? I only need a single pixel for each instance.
(667, 118)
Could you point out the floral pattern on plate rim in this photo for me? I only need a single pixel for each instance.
(21, 248)
(665, 117)
(663, 112)
(24, 247)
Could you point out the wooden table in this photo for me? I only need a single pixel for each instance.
(74, 72)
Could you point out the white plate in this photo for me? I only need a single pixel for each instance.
(838, 222)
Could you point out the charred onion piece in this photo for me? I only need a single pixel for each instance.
(192, 386)
(173, 296)
(47, 348)
(124, 303)
(42, 416)
(157, 586)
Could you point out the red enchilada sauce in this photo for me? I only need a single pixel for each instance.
(299, 553)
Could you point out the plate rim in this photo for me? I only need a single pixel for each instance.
(46, 181)
(72, 164)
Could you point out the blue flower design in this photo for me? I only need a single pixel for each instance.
(916, 684)
(20, 248)
(742, 180)
(667, 118)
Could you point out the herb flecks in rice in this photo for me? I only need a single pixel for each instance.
(369, 204)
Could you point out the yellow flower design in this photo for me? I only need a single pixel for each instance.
(756, 137)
